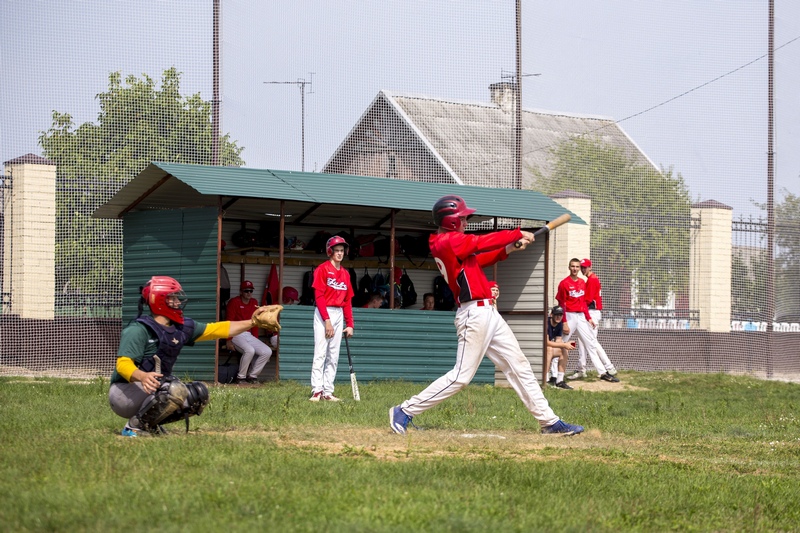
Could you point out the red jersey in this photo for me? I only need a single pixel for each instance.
(571, 296)
(594, 292)
(238, 310)
(461, 259)
(332, 289)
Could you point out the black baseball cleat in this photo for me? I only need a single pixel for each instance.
(563, 385)
(608, 377)
(552, 382)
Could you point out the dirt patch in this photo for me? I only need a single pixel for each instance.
(603, 386)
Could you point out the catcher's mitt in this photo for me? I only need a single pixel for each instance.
(267, 317)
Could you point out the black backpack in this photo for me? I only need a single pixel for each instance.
(364, 290)
(407, 292)
(443, 297)
(307, 295)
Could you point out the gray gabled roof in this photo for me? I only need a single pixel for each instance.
(315, 198)
(474, 142)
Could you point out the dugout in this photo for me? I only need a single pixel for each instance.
(176, 218)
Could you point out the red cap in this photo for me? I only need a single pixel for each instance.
(586, 263)
(245, 285)
(493, 284)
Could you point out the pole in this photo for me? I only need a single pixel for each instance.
(301, 84)
(215, 97)
(518, 104)
(770, 289)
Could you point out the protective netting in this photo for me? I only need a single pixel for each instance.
(645, 119)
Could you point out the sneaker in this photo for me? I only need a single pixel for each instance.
(398, 420)
(317, 396)
(563, 385)
(128, 431)
(238, 381)
(253, 381)
(331, 398)
(608, 377)
(577, 375)
(562, 428)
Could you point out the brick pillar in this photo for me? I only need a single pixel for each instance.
(30, 237)
(710, 265)
(569, 240)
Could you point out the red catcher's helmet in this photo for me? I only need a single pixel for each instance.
(333, 241)
(165, 297)
(448, 210)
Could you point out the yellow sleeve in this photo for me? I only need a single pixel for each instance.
(125, 367)
(215, 330)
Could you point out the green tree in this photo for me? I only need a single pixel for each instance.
(787, 258)
(640, 219)
(139, 122)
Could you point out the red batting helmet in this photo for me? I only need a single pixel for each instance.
(165, 297)
(448, 210)
(333, 241)
(290, 295)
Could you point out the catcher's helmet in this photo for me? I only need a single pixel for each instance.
(165, 297)
(448, 210)
(333, 241)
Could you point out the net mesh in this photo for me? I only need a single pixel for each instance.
(655, 134)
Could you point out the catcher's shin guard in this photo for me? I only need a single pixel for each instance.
(168, 399)
(196, 400)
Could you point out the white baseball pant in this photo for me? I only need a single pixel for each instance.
(578, 325)
(481, 330)
(596, 315)
(326, 351)
(250, 346)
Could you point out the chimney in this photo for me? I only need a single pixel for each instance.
(504, 95)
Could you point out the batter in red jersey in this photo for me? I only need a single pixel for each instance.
(571, 295)
(332, 318)
(481, 330)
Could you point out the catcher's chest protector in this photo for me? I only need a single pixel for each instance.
(170, 341)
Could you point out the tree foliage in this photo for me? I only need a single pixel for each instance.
(139, 122)
(640, 219)
(787, 258)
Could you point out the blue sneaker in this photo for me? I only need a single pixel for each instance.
(398, 420)
(128, 431)
(562, 428)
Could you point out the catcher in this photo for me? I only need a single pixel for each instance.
(143, 389)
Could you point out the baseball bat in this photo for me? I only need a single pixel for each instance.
(353, 382)
(550, 226)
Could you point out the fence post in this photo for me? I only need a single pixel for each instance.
(710, 265)
(29, 261)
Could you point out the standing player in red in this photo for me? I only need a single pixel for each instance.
(594, 302)
(481, 330)
(571, 296)
(332, 318)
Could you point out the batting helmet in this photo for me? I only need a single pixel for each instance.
(290, 295)
(165, 297)
(333, 241)
(448, 210)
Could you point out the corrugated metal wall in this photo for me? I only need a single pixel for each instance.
(180, 243)
(521, 280)
(400, 344)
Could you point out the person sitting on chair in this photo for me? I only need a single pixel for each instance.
(247, 343)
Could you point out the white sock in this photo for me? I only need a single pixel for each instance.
(560, 377)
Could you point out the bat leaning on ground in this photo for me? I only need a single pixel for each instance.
(550, 226)
(353, 382)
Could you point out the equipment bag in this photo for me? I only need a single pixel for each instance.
(407, 292)
(444, 300)
(307, 295)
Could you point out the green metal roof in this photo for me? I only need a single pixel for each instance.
(316, 198)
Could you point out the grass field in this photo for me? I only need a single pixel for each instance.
(664, 451)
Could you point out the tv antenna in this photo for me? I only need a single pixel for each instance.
(301, 84)
(511, 75)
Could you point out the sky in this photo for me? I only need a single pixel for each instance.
(683, 77)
